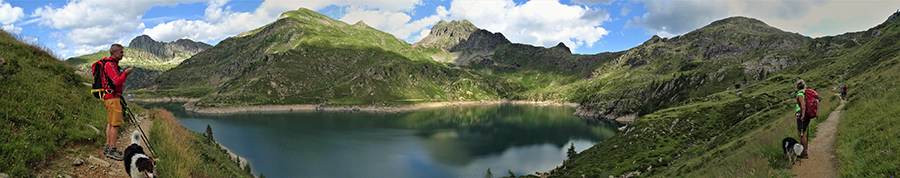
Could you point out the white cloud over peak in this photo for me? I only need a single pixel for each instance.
(813, 18)
(591, 2)
(669, 18)
(98, 22)
(544, 23)
(395, 23)
(88, 49)
(220, 22)
(10, 14)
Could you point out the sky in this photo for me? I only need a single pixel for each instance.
(77, 27)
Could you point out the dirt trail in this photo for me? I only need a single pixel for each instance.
(822, 161)
(116, 168)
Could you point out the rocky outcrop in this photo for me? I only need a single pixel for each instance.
(446, 35)
(165, 50)
(561, 47)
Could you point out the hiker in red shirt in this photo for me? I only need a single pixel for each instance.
(113, 97)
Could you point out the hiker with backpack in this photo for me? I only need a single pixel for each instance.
(108, 85)
(807, 109)
(843, 92)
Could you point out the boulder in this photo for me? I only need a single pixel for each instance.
(78, 162)
(97, 161)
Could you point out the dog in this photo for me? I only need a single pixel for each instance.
(137, 163)
(792, 149)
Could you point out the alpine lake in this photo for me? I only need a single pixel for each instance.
(456, 141)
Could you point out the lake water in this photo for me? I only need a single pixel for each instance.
(462, 141)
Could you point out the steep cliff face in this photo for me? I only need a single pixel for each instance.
(165, 50)
(445, 35)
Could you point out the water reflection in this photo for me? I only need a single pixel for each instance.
(441, 142)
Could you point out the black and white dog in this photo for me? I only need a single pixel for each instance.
(137, 163)
(792, 149)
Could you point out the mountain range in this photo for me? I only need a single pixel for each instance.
(149, 58)
(712, 102)
(307, 58)
(734, 73)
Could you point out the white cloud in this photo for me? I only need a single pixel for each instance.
(11, 29)
(393, 22)
(669, 18)
(10, 14)
(544, 23)
(813, 18)
(275, 6)
(88, 49)
(98, 22)
(220, 23)
(30, 40)
(591, 2)
(422, 34)
(60, 45)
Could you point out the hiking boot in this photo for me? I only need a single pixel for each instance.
(112, 153)
(804, 155)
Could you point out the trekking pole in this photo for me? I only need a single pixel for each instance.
(138, 126)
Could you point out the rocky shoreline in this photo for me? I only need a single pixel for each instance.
(377, 108)
(164, 99)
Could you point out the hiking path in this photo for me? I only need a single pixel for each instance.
(822, 162)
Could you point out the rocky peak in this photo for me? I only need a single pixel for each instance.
(894, 17)
(445, 34)
(737, 20)
(562, 48)
(654, 39)
(480, 40)
(167, 50)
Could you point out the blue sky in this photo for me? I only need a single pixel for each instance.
(77, 27)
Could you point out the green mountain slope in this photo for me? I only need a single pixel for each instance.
(46, 115)
(144, 52)
(307, 58)
(148, 57)
(43, 106)
(737, 132)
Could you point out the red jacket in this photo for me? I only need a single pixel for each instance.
(111, 69)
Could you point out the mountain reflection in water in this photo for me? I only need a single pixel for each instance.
(462, 141)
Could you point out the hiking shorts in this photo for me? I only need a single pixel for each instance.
(803, 125)
(114, 111)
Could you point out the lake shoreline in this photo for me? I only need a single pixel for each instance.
(362, 108)
(164, 99)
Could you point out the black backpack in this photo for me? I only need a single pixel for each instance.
(97, 88)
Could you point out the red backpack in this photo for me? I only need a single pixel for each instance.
(812, 103)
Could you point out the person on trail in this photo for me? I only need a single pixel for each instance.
(113, 99)
(843, 92)
(802, 119)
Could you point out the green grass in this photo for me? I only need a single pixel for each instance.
(43, 106)
(133, 58)
(720, 143)
(868, 143)
(185, 153)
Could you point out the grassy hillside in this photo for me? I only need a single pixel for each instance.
(133, 57)
(185, 153)
(308, 58)
(46, 110)
(43, 106)
(727, 133)
(867, 144)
